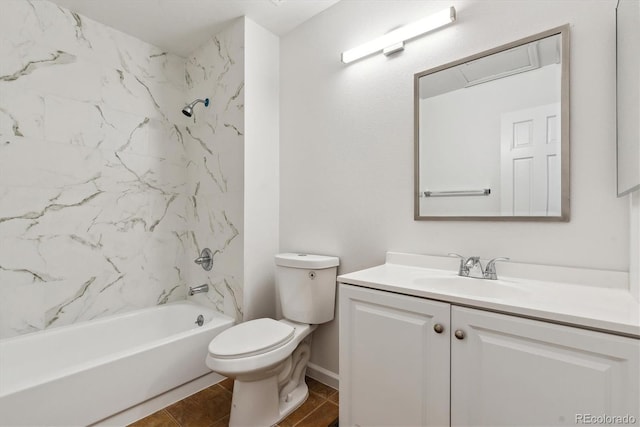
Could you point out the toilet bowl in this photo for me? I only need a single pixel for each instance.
(268, 358)
(253, 347)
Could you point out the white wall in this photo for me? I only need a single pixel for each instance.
(261, 169)
(347, 139)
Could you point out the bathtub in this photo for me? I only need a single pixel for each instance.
(79, 374)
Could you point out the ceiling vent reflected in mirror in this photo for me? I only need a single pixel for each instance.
(520, 59)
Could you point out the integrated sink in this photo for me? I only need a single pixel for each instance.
(481, 288)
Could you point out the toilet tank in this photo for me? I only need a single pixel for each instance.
(307, 286)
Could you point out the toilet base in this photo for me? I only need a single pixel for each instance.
(256, 403)
(266, 400)
(297, 398)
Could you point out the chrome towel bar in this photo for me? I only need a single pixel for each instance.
(455, 193)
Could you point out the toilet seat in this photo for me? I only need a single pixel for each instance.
(275, 349)
(251, 338)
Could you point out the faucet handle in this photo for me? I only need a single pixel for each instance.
(462, 269)
(472, 261)
(205, 259)
(490, 269)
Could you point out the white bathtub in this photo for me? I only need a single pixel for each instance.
(79, 374)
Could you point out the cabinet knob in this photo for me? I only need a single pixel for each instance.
(459, 334)
(438, 328)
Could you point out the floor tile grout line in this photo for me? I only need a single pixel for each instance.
(308, 415)
(324, 400)
(171, 416)
(224, 388)
(178, 423)
(228, 413)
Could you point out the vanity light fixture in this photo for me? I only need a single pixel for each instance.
(394, 40)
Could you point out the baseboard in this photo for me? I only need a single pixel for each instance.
(323, 375)
(161, 401)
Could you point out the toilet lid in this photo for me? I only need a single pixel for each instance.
(250, 338)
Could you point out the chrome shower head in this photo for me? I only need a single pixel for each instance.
(188, 109)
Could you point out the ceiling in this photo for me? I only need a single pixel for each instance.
(180, 26)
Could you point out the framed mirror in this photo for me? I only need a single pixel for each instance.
(492, 134)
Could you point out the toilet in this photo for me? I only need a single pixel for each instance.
(268, 358)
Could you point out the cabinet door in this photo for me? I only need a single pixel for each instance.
(519, 372)
(394, 367)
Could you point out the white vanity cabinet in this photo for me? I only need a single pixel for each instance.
(394, 368)
(510, 371)
(482, 369)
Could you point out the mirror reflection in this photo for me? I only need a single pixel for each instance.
(491, 135)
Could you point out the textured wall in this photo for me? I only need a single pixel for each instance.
(107, 192)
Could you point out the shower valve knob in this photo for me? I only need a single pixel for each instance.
(205, 259)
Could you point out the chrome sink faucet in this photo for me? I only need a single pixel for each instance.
(472, 267)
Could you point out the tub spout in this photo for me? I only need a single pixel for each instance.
(198, 289)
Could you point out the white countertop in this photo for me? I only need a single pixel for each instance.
(611, 308)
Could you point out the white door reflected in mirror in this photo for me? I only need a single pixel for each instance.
(530, 162)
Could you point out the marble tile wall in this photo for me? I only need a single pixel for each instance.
(214, 140)
(107, 192)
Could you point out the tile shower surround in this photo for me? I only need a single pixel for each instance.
(107, 192)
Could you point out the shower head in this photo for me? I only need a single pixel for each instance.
(188, 109)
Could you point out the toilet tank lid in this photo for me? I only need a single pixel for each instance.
(297, 260)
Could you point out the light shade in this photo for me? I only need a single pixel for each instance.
(400, 35)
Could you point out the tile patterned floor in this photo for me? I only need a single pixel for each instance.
(210, 408)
